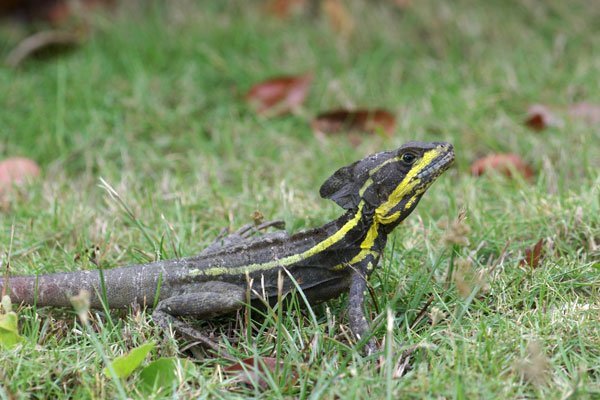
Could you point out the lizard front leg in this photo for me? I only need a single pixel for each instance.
(204, 300)
(356, 301)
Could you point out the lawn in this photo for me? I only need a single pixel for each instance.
(153, 103)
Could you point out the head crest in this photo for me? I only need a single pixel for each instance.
(345, 184)
(374, 178)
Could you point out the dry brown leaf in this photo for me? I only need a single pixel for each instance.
(588, 112)
(42, 42)
(278, 96)
(283, 8)
(14, 172)
(540, 117)
(17, 170)
(54, 11)
(502, 163)
(367, 121)
(29, 10)
(533, 255)
(7, 6)
(339, 17)
(251, 371)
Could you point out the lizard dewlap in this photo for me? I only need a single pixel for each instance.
(377, 192)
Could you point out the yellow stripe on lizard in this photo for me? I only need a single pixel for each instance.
(407, 184)
(366, 247)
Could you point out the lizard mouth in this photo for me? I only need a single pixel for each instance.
(438, 166)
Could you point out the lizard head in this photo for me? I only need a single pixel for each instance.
(389, 184)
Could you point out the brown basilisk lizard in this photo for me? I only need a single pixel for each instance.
(378, 192)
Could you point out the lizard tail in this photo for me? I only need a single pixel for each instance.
(48, 290)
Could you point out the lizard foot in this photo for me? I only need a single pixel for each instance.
(163, 319)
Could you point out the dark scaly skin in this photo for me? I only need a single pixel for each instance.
(378, 192)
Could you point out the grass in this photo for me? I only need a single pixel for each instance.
(153, 104)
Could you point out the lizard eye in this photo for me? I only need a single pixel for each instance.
(408, 158)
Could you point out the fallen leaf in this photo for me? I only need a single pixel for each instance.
(9, 333)
(283, 8)
(339, 17)
(367, 121)
(278, 96)
(252, 371)
(533, 255)
(58, 13)
(54, 11)
(15, 171)
(165, 373)
(540, 117)
(125, 364)
(502, 163)
(586, 111)
(30, 10)
(42, 43)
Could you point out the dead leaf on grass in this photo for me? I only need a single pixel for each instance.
(284, 8)
(252, 371)
(587, 112)
(42, 43)
(16, 171)
(29, 10)
(533, 255)
(541, 116)
(505, 164)
(367, 121)
(53, 11)
(278, 96)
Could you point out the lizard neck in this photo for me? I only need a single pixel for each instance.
(354, 237)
